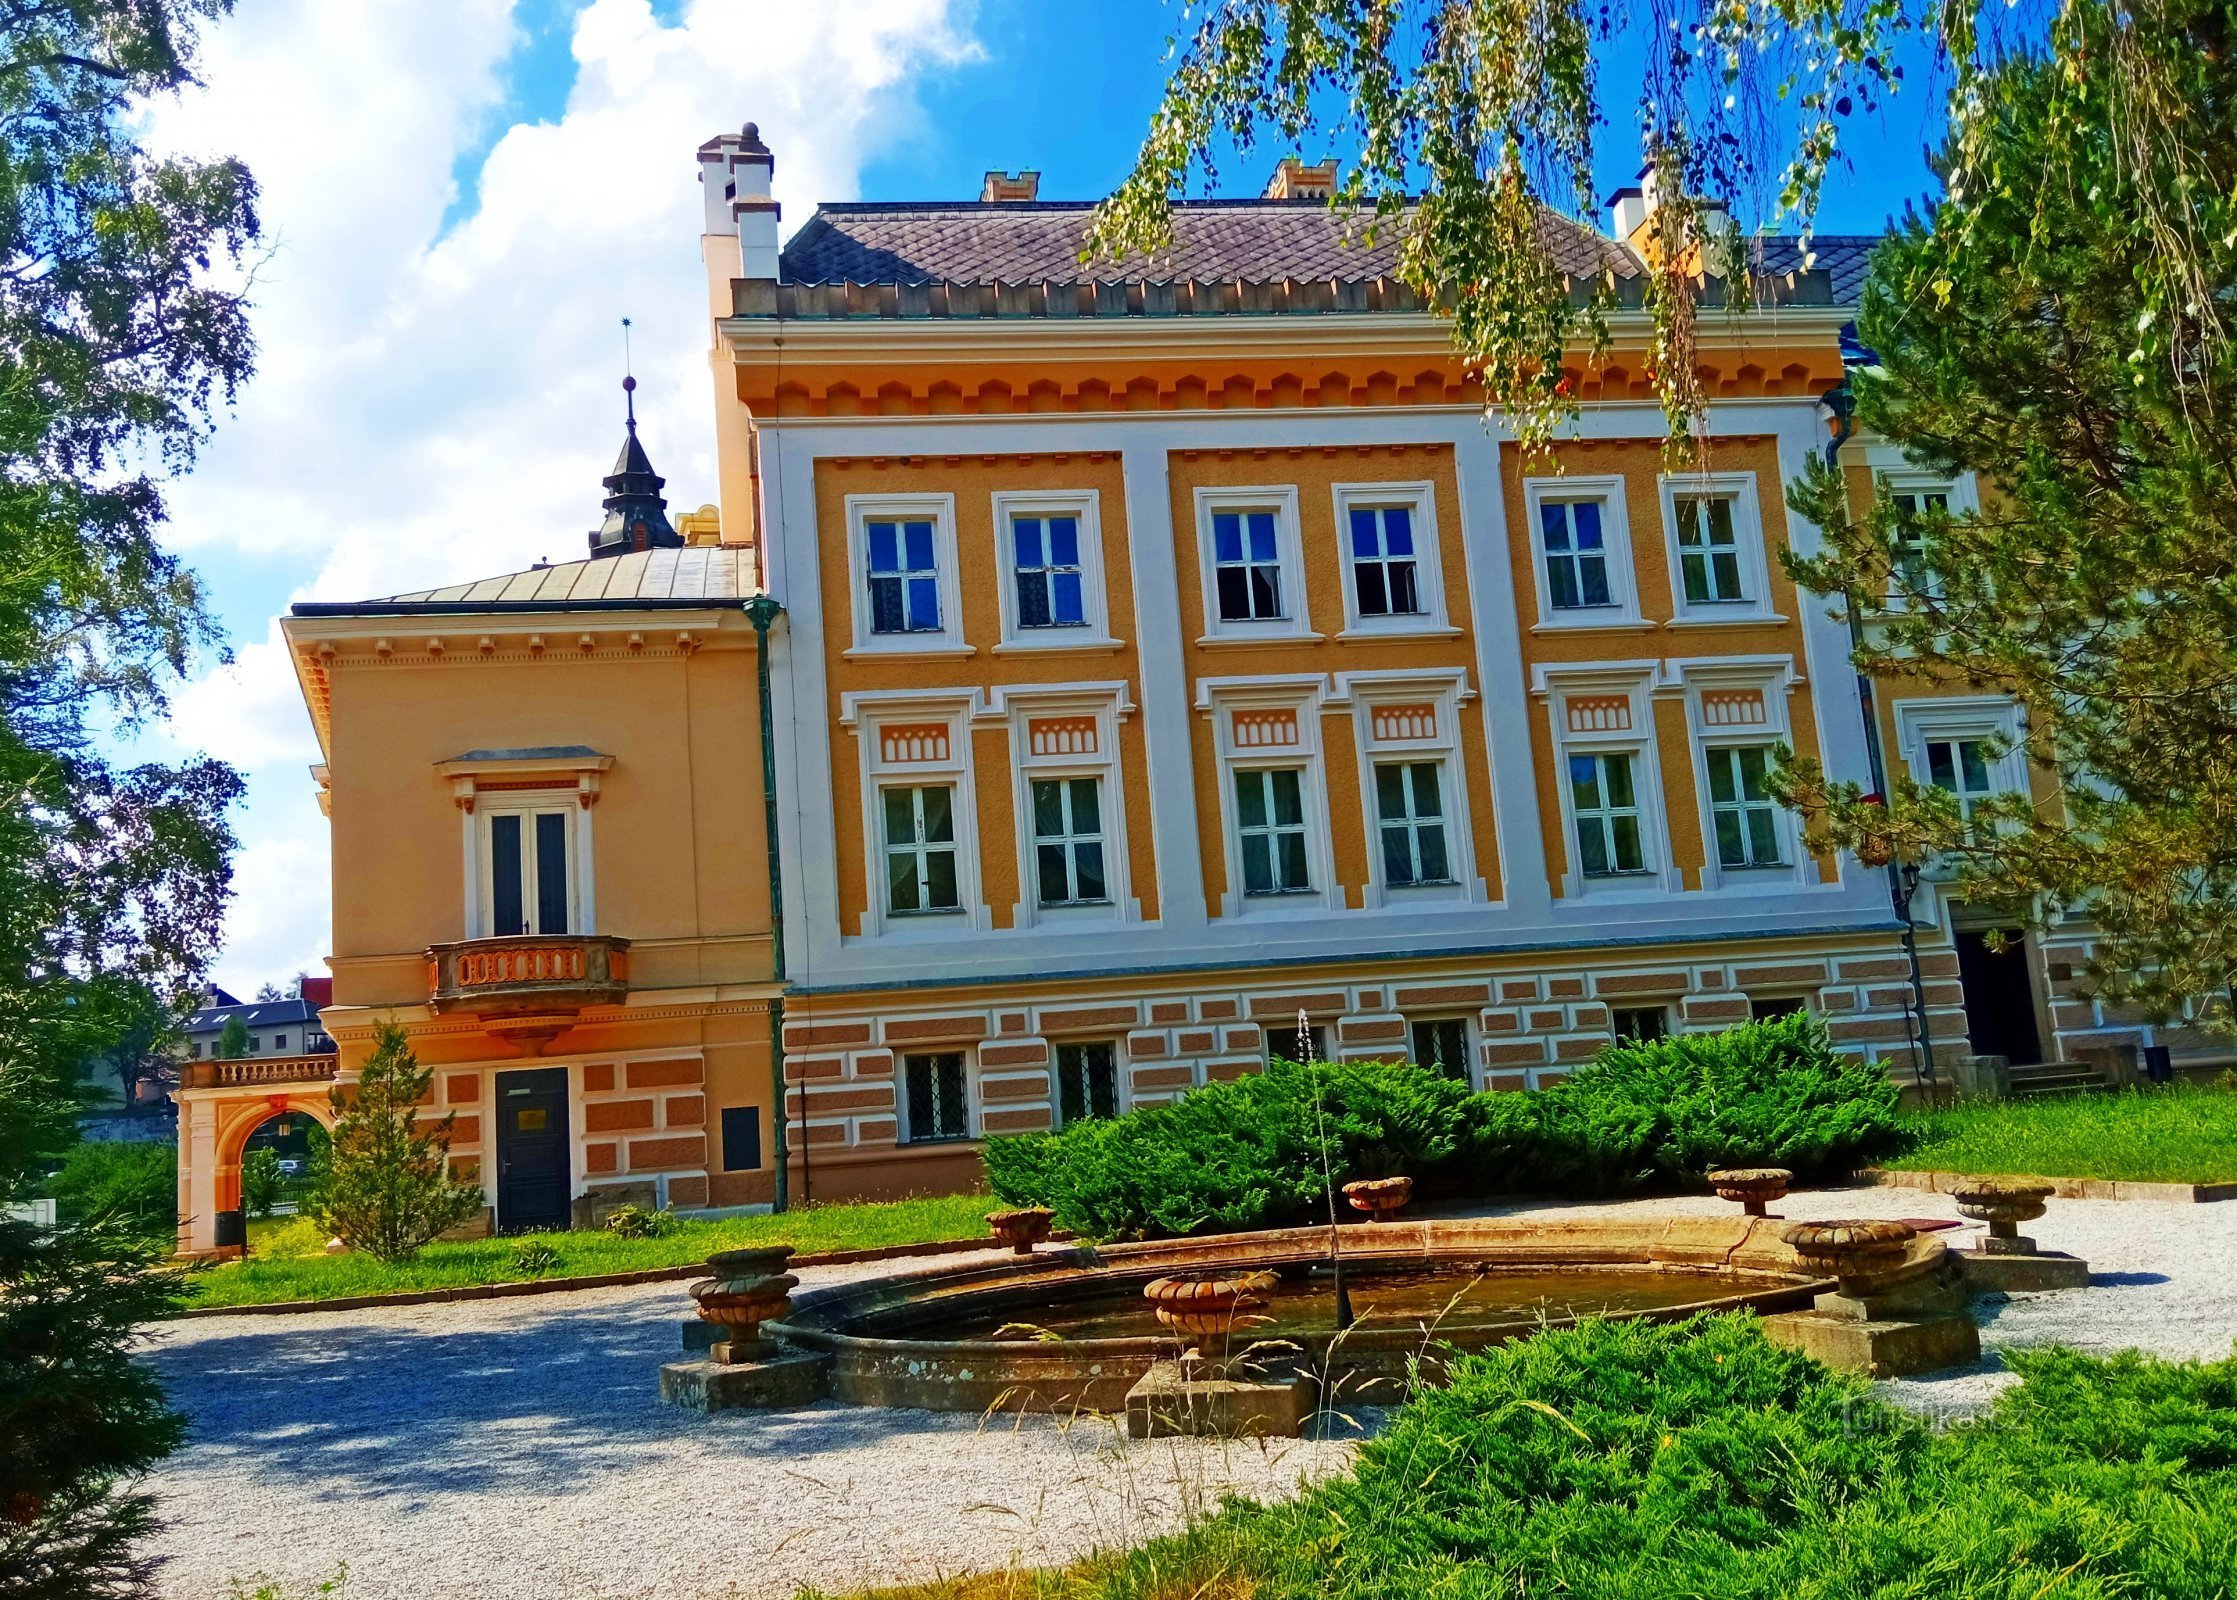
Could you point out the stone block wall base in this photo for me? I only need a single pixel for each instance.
(2031, 1274)
(797, 1378)
(1879, 1349)
(1165, 1403)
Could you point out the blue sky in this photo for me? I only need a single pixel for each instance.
(464, 197)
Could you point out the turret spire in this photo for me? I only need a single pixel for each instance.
(636, 511)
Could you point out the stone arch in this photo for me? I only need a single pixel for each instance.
(237, 1121)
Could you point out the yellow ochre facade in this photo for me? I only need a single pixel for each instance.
(1166, 649)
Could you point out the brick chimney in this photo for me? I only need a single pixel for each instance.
(1001, 189)
(1294, 180)
(734, 174)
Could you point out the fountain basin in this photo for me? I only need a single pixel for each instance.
(1422, 1290)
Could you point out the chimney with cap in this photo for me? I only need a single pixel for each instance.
(1632, 210)
(734, 174)
(1294, 180)
(1001, 189)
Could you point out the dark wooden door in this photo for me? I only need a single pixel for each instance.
(1999, 996)
(532, 1176)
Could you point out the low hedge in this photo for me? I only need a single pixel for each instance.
(1640, 1116)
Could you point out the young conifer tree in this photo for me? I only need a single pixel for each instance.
(389, 1188)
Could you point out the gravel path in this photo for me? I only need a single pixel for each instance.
(516, 1448)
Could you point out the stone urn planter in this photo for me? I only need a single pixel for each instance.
(1205, 1307)
(1855, 1254)
(749, 1287)
(1021, 1229)
(2002, 1203)
(1754, 1188)
(1380, 1198)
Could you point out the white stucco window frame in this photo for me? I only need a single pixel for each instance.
(1086, 506)
(1445, 691)
(567, 777)
(1623, 582)
(1419, 498)
(1636, 682)
(1965, 717)
(1016, 707)
(868, 715)
(1774, 678)
(1750, 547)
(862, 510)
(1301, 694)
(1289, 554)
(973, 1098)
(1894, 473)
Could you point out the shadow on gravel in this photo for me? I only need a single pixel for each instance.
(2126, 1280)
(559, 1403)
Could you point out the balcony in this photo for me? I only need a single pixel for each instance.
(257, 1072)
(528, 989)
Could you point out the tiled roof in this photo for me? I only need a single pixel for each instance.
(699, 576)
(254, 1013)
(967, 259)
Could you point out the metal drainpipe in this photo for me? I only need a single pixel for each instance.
(1841, 401)
(761, 611)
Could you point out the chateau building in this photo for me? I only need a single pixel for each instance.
(1167, 649)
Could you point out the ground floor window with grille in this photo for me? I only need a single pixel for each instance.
(938, 1099)
(1642, 1024)
(1086, 1081)
(1770, 1006)
(1741, 807)
(1286, 1042)
(1411, 810)
(1270, 819)
(1441, 1045)
(1606, 806)
(920, 849)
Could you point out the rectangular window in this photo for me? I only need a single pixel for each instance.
(279, 1042)
(1642, 1024)
(1045, 563)
(938, 1108)
(1270, 818)
(1576, 554)
(1441, 1046)
(1384, 582)
(1411, 812)
(1607, 811)
(1086, 1082)
(1961, 766)
(1709, 549)
(528, 887)
(1246, 566)
(1785, 1005)
(1068, 841)
(1745, 816)
(1910, 554)
(1283, 1042)
(920, 849)
(904, 577)
(741, 1138)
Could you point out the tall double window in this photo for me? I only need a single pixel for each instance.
(1247, 566)
(1605, 803)
(1742, 812)
(1914, 507)
(1709, 549)
(903, 576)
(1964, 767)
(1046, 570)
(920, 848)
(1385, 580)
(530, 889)
(1068, 841)
(1270, 823)
(1573, 544)
(1410, 812)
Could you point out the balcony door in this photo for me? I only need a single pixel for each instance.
(528, 885)
(532, 1174)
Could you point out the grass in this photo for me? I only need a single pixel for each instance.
(2180, 1134)
(1632, 1461)
(270, 1278)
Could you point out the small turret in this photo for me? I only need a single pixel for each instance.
(636, 511)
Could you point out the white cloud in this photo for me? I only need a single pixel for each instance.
(436, 405)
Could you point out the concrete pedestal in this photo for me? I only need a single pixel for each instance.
(1919, 1325)
(792, 1378)
(1172, 1400)
(2021, 1273)
(700, 1336)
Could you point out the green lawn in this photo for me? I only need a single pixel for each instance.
(264, 1279)
(2174, 1135)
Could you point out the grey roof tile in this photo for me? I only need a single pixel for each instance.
(716, 574)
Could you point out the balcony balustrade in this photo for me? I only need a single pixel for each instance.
(256, 1072)
(529, 988)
